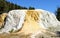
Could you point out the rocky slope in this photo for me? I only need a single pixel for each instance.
(36, 23)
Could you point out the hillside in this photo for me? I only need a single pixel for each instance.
(7, 6)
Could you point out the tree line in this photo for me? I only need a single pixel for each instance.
(7, 6)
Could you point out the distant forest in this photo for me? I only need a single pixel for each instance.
(7, 6)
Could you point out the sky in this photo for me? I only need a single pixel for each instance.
(49, 5)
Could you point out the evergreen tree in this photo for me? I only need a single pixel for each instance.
(58, 13)
(31, 8)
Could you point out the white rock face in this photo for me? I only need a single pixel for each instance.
(49, 21)
(15, 20)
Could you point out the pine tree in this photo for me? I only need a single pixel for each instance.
(31, 8)
(58, 13)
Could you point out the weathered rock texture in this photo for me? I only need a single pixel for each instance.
(2, 19)
(30, 24)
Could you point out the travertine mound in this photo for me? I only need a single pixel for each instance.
(31, 23)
